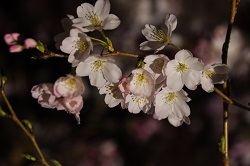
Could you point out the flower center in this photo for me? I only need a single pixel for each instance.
(181, 67)
(97, 65)
(114, 91)
(170, 98)
(209, 73)
(82, 45)
(158, 35)
(161, 35)
(140, 79)
(93, 18)
(70, 84)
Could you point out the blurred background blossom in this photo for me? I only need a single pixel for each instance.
(114, 137)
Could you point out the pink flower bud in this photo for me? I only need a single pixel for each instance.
(16, 48)
(69, 86)
(11, 39)
(30, 43)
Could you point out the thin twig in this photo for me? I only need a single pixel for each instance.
(117, 53)
(19, 123)
(230, 101)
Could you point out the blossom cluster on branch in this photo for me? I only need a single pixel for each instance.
(155, 86)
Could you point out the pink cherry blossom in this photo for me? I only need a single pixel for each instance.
(73, 106)
(69, 86)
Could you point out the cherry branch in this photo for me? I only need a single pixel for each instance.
(230, 101)
(24, 129)
(117, 53)
(234, 5)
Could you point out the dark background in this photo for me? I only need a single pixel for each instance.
(114, 137)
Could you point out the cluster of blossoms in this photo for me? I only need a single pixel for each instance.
(154, 87)
(17, 44)
(64, 94)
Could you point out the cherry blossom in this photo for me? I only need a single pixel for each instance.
(159, 38)
(135, 104)
(213, 74)
(183, 70)
(44, 93)
(141, 83)
(73, 106)
(113, 94)
(94, 17)
(172, 105)
(100, 70)
(78, 45)
(69, 86)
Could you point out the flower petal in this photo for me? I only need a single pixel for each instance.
(83, 69)
(112, 72)
(191, 79)
(96, 79)
(102, 8)
(111, 22)
(174, 82)
(84, 9)
(171, 22)
(175, 121)
(183, 55)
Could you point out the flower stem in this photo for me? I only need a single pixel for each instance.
(98, 40)
(116, 53)
(234, 5)
(24, 129)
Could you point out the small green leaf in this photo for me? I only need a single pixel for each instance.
(222, 145)
(40, 47)
(28, 124)
(56, 163)
(2, 113)
(140, 63)
(28, 157)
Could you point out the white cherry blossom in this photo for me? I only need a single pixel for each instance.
(141, 83)
(159, 38)
(172, 105)
(94, 17)
(183, 70)
(135, 104)
(78, 45)
(113, 94)
(213, 74)
(100, 70)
